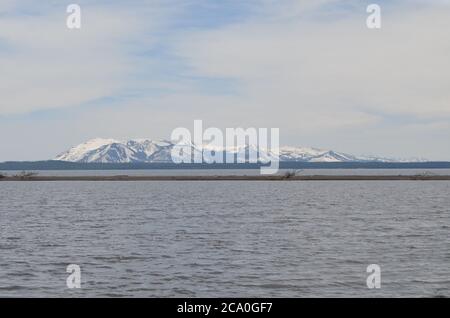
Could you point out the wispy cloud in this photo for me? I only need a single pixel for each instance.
(45, 65)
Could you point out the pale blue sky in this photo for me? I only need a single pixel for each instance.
(139, 69)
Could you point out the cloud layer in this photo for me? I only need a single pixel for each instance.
(311, 68)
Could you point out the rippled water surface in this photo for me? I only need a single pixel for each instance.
(207, 239)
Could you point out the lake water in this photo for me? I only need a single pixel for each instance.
(230, 239)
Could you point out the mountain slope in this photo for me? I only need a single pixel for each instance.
(145, 150)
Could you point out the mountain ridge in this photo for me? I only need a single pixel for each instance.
(101, 150)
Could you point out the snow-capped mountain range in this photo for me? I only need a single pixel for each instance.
(144, 150)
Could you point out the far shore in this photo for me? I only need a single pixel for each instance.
(231, 178)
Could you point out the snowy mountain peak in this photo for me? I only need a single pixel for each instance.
(147, 150)
(75, 153)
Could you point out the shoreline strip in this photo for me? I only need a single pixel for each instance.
(230, 178)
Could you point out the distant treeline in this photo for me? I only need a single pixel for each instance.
(61, 165)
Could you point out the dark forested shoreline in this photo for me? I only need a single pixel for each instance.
(61, 165)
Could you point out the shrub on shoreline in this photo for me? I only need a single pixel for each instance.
(25, 175)
(289, 174)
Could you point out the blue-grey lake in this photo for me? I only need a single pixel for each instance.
(230, 239)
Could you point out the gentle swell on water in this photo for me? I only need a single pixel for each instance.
(208, 239)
